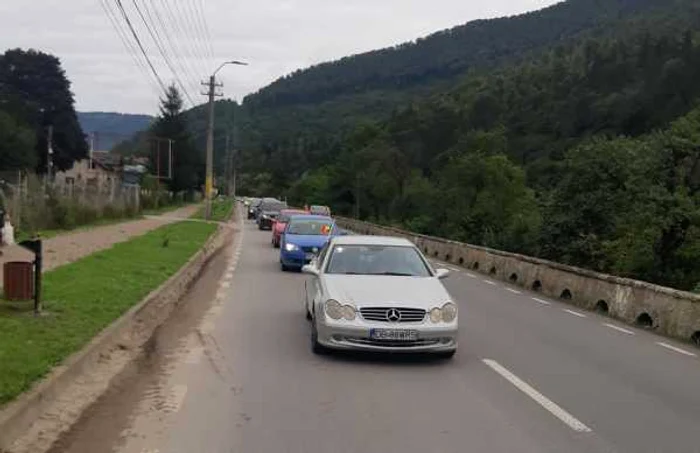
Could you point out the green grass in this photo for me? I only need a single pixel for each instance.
(221, 210)
(84, 297)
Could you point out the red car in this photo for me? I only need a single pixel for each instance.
(280, 224)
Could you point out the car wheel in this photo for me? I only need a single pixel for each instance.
(284, 267)
(316, 347)
(308, 315)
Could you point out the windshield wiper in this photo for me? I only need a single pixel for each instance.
(397, 274)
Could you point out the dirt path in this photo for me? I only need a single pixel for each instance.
(69, 247)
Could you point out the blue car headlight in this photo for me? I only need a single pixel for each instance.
(291, 247)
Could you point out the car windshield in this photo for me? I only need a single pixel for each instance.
(310, 227)
(377, 260)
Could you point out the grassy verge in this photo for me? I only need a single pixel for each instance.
(84, 297)
(221, 210)
(165, 209)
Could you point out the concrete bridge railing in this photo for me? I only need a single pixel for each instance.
(667, 311)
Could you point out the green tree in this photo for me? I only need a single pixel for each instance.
(16, 144)
(37, 93)
(188, 163)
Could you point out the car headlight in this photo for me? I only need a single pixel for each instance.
(290, 247)
(349, 313)
(334, 310)
(449, 312)
(265, 216)
(435, 315)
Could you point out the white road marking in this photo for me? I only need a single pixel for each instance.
(575, 313)
(470, 275)
(514, 291)
(542, 400)
(619, 329)
(454, 269)
(673, 348)
(541, 301)
(229, 275)
(489, 282)
(225, 284)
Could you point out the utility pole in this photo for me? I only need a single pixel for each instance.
(234, 162)
(208, 181)
(211, 93)
(227, 165)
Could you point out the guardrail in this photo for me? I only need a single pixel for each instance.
(665, 310)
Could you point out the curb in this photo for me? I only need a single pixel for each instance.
(128, 332)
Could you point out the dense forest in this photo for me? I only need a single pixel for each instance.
(583, 148)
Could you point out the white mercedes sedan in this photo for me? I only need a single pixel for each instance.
(375, 293)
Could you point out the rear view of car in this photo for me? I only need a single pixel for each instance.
(320, 210)
(280, 224)
(303, 239)
(268, 212)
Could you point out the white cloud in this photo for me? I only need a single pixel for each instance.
(275, 36)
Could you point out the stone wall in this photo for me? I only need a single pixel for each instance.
(667, 311)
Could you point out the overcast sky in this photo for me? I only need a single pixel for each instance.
(275, 36)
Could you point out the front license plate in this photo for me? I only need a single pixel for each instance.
(393, 334)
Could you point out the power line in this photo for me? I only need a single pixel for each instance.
(197, 34)
(192, 80)
(205, 25)
(138, 41)
(130, 49)
(181, 31)
(156, 39)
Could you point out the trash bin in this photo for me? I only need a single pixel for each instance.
(18, 280)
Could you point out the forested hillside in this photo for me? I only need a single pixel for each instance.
(584, 151)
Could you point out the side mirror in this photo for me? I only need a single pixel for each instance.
(442, 273)
(310, 269)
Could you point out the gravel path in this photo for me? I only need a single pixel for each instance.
(69, 247)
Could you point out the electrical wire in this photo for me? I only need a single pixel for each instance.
(140, 45)
(156, 39)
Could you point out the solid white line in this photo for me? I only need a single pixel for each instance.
(543, 302)
(575, 313)
(673, 348)
(514, 291)
(489, 282)
(542, 400)
(619, 329)
(470, 275)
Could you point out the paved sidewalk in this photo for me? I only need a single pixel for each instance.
(69, 247)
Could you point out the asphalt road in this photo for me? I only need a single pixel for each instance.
(530, 376)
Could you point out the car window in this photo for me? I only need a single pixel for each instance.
(322, 255)
(377, 260)
(311, 227)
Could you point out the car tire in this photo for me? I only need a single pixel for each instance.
(284, 267)
(277, 244)
(316, 347)
(308, 315)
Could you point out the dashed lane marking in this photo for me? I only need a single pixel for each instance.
(678, 350)
(514, 291)
(470, 275)
(489, 282)
(618, 328)
(575, 313)
(541, 301)
(542, 400)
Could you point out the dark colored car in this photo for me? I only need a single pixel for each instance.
(268, 211)
(252, 207)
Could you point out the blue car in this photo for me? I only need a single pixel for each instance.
(303, 238)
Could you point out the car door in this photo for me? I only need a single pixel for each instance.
(312, 286)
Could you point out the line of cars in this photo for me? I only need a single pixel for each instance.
(366, 293)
